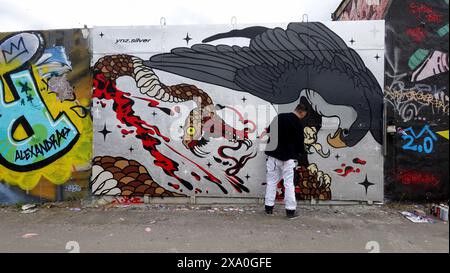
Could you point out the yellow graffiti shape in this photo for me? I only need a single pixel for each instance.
(77, 158)
(443, 134)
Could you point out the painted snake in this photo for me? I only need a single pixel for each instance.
(202, 122)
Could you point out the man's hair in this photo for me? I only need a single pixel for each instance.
(301, 107)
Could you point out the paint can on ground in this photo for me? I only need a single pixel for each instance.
(443, 213)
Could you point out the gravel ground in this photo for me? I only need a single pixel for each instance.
(233, 228)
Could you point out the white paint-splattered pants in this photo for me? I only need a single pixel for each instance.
(277, 169)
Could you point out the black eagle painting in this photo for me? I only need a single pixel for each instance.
(305, 61)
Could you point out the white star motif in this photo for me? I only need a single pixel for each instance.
(97, 112)
(374, 31)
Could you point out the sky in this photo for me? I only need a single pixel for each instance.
(52, 14)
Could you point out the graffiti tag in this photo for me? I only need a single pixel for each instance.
(72, 188)
(411, 137)
(417, 177)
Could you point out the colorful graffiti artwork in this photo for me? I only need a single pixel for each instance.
(416, 96)
(364, 10)
(44, 120)
(119, 176)
(194, 116)
(426, 139)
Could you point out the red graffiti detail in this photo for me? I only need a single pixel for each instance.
(434, 18)
(418, 178)
(123, 106)
(419, 10)
(208, 176)
(237, 183)
(359, 161)
(152, 103)
(196, 176)
(102, 104)
(239, 164)
(175, 186)
(126, 132)
(350, 169)
(280, 184)
(197, 190)
(417, 34)
(280, 194)
(344, 172)
(125, 200)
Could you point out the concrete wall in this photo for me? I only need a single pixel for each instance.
(176, 118)
(45, 126)
(182, 111)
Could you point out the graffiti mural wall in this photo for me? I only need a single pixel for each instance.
(416, 96)
(45, 123)
(182, 110)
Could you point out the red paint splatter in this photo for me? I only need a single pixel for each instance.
(196, 176)
(154, 103)
(357, 170)
(359, 161)
(280, 184)
(102, 104)
(175, 186)
(208, 176)
(123, 106)
(339, 170)
(126, 132)
(342, 165)
(237, 183)
(347, 171)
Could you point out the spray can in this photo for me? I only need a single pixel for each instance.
(443, 213)
(432, 209)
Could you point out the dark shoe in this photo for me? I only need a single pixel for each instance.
(291, 214)
(269, 210)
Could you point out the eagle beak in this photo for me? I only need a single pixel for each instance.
(336, 140)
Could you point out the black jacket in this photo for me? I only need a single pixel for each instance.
(289, 139)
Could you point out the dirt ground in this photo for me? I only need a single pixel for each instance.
(66, 227)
